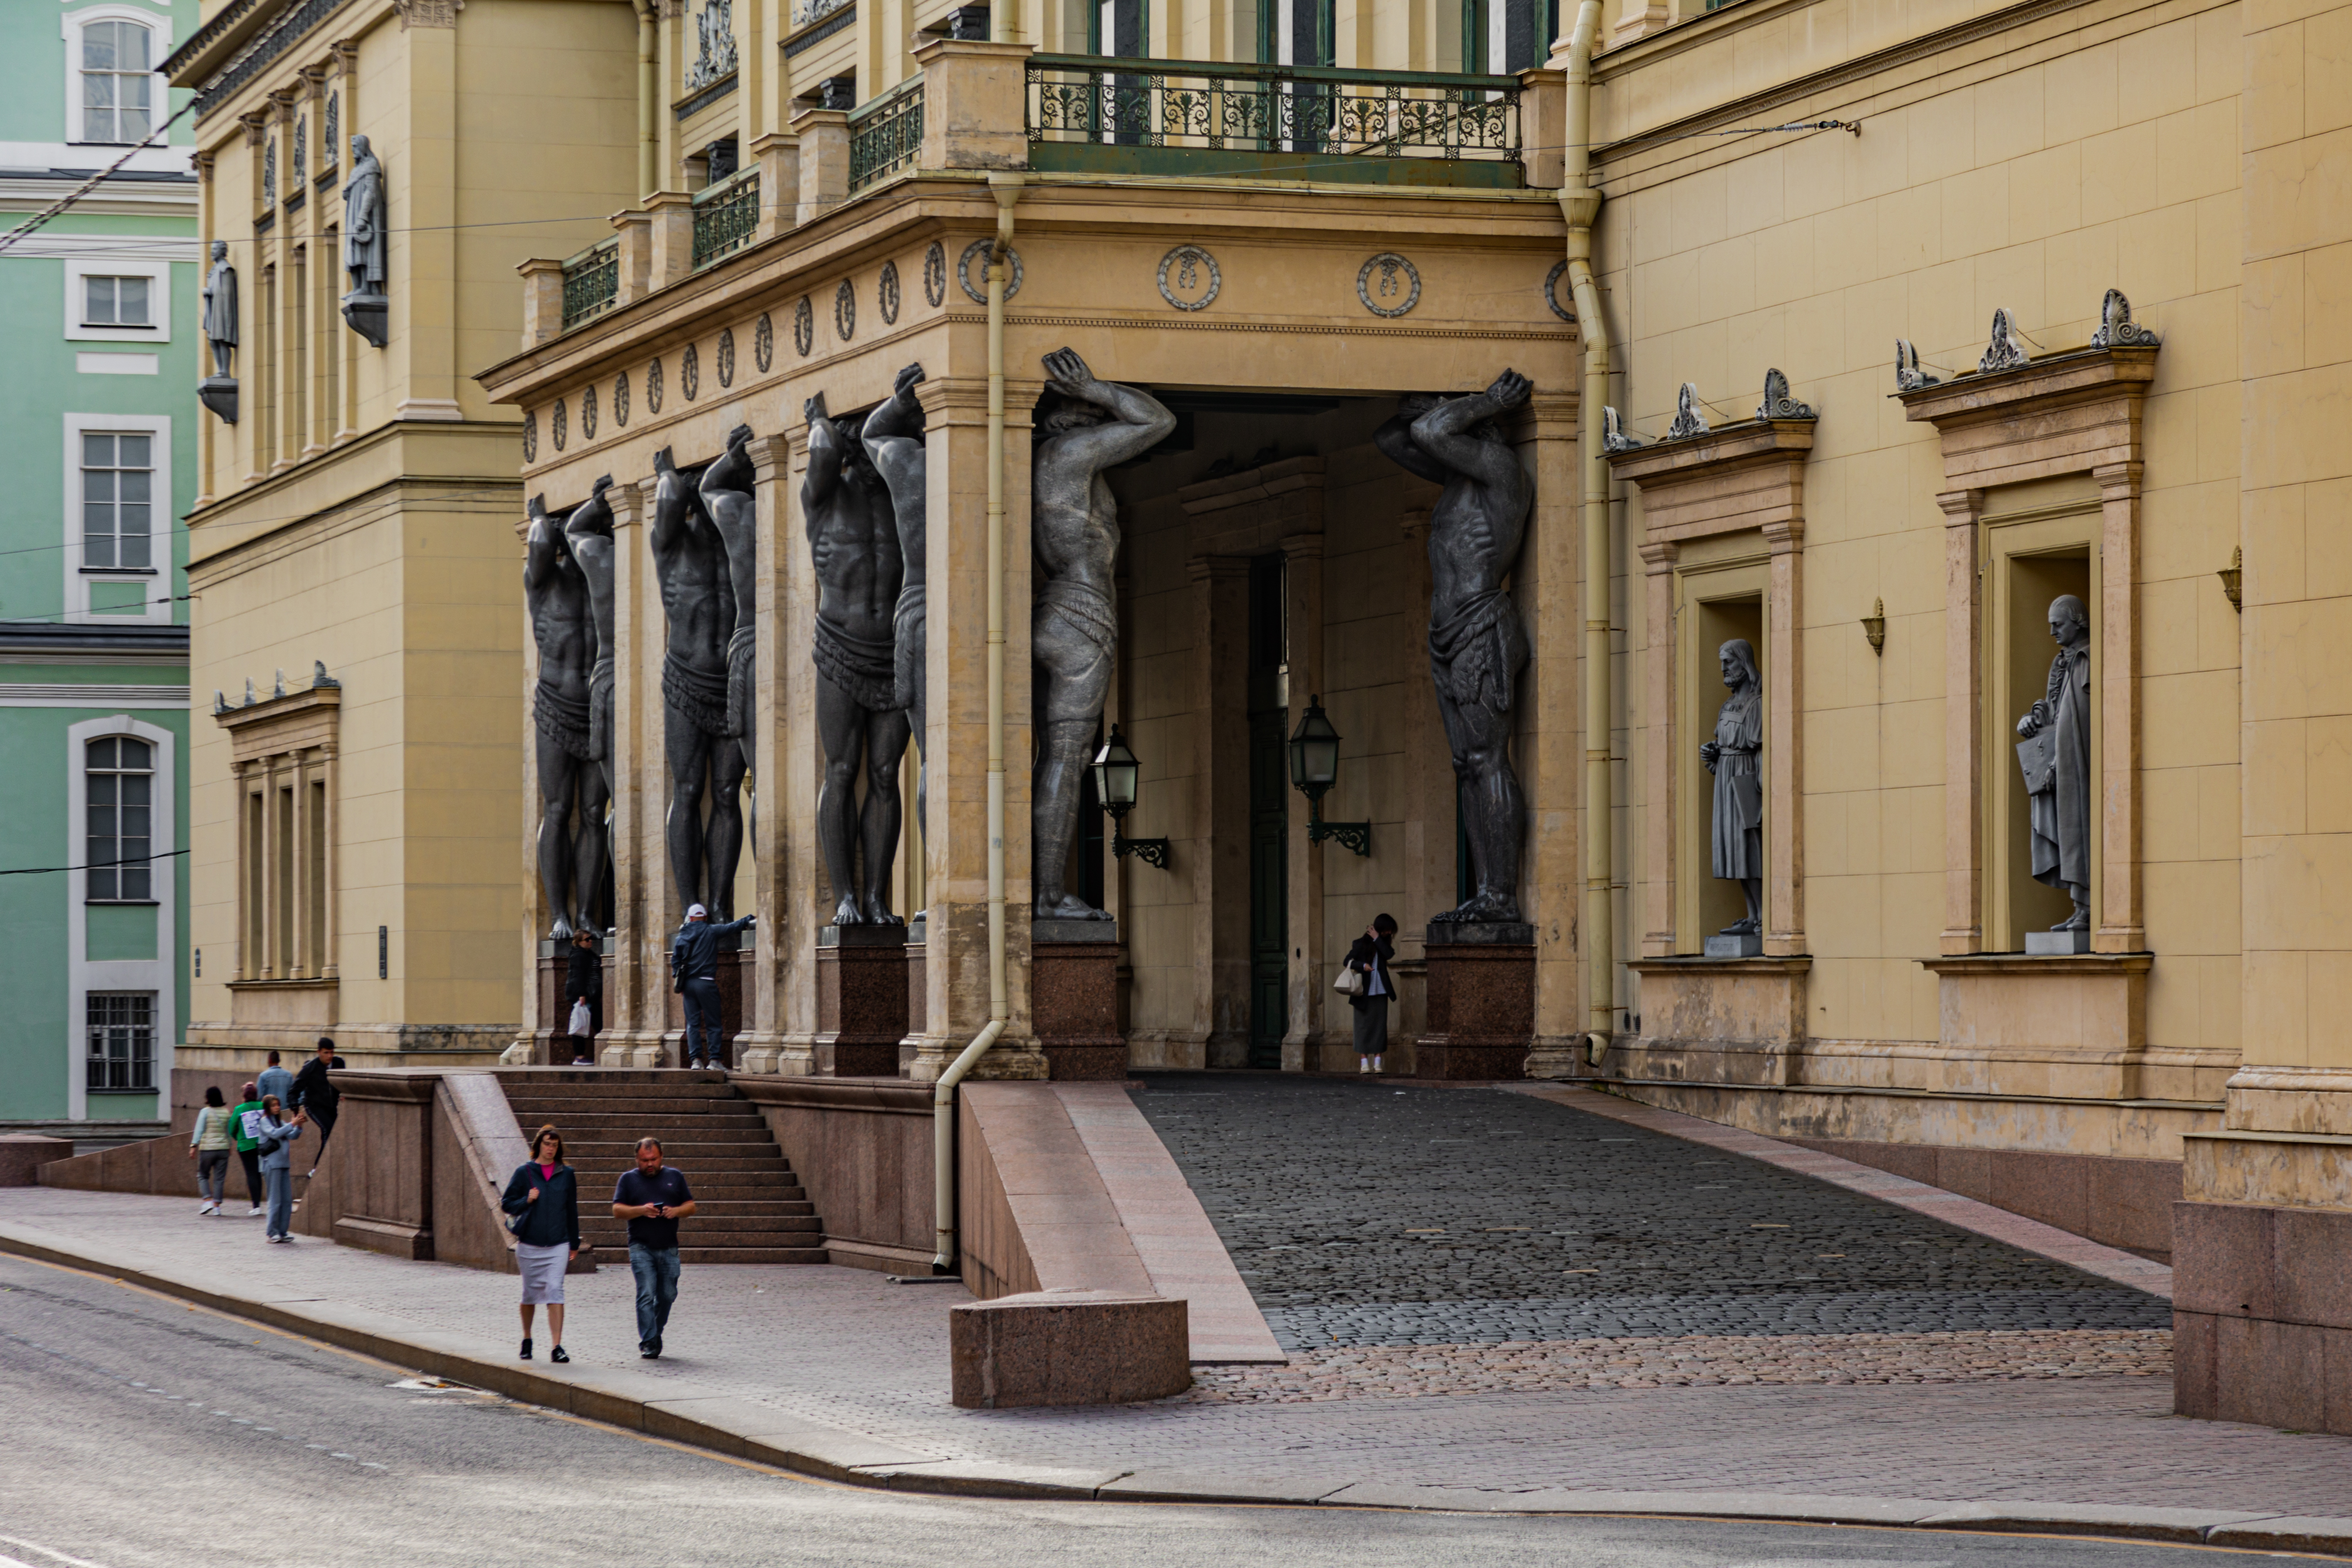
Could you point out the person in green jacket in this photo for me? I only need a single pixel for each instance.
(243, 1118)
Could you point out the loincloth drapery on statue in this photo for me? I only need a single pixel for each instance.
(564, 720)
(1087, 612)
(1472, 652)
(861, 667)
(700, 699)
(907, 621)
(741, 649)
(600, 709)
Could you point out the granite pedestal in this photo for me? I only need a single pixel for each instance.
(918, 1006)
(1074, 998)
(551, 1043)
(861, 1000)
(1481, 1010)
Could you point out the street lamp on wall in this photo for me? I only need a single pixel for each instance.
(1115, 772)
(1314, 769)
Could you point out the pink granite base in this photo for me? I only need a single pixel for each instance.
(1068, 1347)
(22, 1154)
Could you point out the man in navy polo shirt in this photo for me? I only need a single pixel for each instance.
(653, 1198)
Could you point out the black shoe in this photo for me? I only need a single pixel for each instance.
(556, 1354)
(526, 1350)
(647, 1352)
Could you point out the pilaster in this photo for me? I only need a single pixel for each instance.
(1963, 726)
(1302, 588)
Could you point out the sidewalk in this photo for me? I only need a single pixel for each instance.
(837, 1371)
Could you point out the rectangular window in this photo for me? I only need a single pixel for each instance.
(121, 1040)
(115, 302)
(118, 482)
(118, 773)
(118, 83)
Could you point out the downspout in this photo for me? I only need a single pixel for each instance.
(1579, 204)
(1006, 189)
(648, 95)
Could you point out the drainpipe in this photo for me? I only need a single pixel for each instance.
(1580, 203)
(648, 94)
(1006, 189)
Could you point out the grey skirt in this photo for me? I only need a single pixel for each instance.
(1372, 1025)
(542, 1273)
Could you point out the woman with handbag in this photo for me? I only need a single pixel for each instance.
(1368, 961)
(542, 1205)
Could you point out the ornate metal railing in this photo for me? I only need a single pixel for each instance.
(886, 135)
(726, 217)
(591, 281)
(1301, 122)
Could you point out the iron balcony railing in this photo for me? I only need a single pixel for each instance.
(726, 217)
(887, 135)
(1313, 122)
(591, 281)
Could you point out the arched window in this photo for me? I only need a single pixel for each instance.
(118, 81)
(118, 776)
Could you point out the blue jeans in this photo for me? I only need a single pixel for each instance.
(702, 1009)
(657, 1273)
(279, 1180)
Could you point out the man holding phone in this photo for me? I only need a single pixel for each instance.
(653, 1198)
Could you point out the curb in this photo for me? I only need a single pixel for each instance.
(764, 1435)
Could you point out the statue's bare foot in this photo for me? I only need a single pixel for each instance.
(846, 914)
(1484, 908)
(877, 913)
(1070, 908)
(1742, 928)
(563, 929)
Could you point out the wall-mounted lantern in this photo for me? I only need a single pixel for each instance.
(1873, 627)
(2233, 579)
(1314, 769)
(1115, 772)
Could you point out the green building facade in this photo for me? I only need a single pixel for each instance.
(100, 336)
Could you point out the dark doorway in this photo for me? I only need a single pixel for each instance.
(1269, 817)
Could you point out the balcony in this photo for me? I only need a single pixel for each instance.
(591, 282)
(726, 217)
(1102, 115)
(886, 135)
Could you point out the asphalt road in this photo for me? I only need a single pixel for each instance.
(147, 1434)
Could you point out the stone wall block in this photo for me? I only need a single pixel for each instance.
(972, 105)
(1069, 1347)
(670, 218)
(2222, 1256)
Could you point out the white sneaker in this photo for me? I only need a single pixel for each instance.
(205, 1207)
(1363, 1064)
(1375, 1065)
(254, 1213)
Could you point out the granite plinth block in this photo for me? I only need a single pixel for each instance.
(1069, 1347)
(1481, 1006)
(1074, 1001)
(1746, 944)
(2262, 1317)
(1044, 932)
(551, 1043)
(2054, 943)
(24, 1154)
(861, 1000)
(734, 1002)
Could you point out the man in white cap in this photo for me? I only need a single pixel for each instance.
(694, 975)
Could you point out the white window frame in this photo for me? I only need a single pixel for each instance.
(156, 579)
(159, 974)
(79, 268)
(73, 23)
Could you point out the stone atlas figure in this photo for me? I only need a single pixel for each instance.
(705, 755)
(854, 547)
(1087, 426)
(727, 496)
(2055, 755)
(562, 623)
(1732, 756)
(1476, 645)
(365, 243)
(588, 533)
(893, 444)
(220, 311)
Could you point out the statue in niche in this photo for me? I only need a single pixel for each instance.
(1477, 644)
(727, 496)
(588, 533)
(220, 311)
(571, 854)
(2055, 755)
(859, 719)
(365, 242)
(893, 444)
(1088, 427)
(699, 740)
(1732, 757)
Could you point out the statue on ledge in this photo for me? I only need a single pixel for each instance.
(1731, 756)
(698, 739)
(571, 852)
(2055, 755)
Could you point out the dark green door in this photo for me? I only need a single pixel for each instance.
(1270, 819)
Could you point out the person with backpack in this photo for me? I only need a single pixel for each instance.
(317, 1098)
(245, 1117)
(542, 1205)
(208, 1145)
(276, 1135)
(694, 975)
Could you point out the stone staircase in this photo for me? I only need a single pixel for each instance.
(749, 1206)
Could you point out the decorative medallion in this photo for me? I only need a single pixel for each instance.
(885, 294)
(804, 327)
(763, 343)
(935, 274)
(1689, 418)
(555, 424)
(690, 372)
(1398, 289)
(2004, 352)
(531, 437)
(588, 414)
(2116, 328)
(844, 311)
(1551, 292)
(726, 356)
(1778, 404)
(653, 387)
(620, 400)
(964, 274)
(1198, 281)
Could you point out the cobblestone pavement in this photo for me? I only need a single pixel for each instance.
(1364, 1214)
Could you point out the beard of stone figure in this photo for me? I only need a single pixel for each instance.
(1089, 428)
(571, 849)
(1741, 678)
(2070, 629)
(854, 547)
(706, 760)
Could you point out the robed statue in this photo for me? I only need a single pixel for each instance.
(364, 241)
(220, 311)
(1732, 756)
(2055, 755)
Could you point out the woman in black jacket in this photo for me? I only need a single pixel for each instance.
(544, 1196)
(1369, 957)
(583, 981)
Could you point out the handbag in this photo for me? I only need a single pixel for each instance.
(1350, 981)
(515, 1222)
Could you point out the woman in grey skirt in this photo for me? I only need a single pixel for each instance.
(1371, 957)
(546, 1195)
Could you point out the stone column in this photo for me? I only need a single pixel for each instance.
(1784, 742)
(421, 187)
(1217, 859)
(1963, 730)
(1429, 803)
(801, 906)
(775, 870)
(1549, 751)
(2118, 928)
(636, 1004)
(1658, 749)
(1302, 588)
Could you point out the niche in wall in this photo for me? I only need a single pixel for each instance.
(1720, 602)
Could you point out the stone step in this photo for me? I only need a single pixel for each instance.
(581, 1142)
(699, 1223)
(720, 1188)
(610, 1105)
